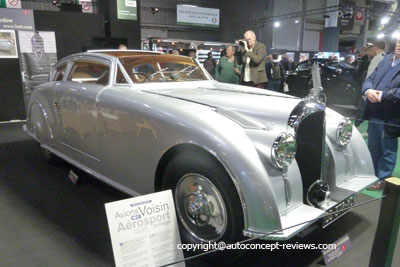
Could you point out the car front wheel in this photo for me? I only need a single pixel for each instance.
(207, 203)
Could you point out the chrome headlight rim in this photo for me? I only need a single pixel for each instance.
(344, 132)
(283, 161)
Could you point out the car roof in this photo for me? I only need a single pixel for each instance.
(121, 53)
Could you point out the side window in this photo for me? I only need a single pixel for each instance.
(304, 66)
(120, 78)
(89, 72)
(60, 73)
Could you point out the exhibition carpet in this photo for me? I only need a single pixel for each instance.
(376, 194)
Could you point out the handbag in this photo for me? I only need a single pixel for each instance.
(285, 88)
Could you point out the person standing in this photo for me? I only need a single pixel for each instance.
(276, 74)
(382, 89)
(252, 57)
(285, 62)
(375, 53)
(209, 64)
(364, 62)
(228, 69)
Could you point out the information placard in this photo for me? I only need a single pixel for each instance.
(144, 230)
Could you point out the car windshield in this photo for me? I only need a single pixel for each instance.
(162, 68)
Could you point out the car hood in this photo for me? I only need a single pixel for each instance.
(234, 101)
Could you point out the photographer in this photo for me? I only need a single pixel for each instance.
(252, 57)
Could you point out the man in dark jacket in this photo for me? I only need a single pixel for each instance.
(275, 73)
(252, 57)
(382, 89)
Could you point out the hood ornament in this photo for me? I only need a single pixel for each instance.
(310, 104)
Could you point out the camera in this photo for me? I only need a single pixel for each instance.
(241, 42)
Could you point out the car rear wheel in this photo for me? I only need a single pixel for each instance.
(207, 203)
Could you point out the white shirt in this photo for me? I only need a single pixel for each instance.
(374, 63)
(247, 74)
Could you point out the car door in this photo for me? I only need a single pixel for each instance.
(76, 102)
(299, 80)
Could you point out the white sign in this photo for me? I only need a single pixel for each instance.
(144, 230)
(29, 39)
(130, 3)
(87, 6)
(13, 3)
(197, 16)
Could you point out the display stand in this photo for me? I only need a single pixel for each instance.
(388, 225)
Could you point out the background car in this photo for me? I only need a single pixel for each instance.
(6, 44)
(240, 161)
(338, 79)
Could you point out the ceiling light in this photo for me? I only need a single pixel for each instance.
(296, 21)
(277, 24)
(384, 20)
(395, 35)
(154, 10)
(380, 36)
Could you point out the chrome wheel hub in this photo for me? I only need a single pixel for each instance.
(200, 208)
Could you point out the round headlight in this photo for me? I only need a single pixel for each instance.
(344, 131)
(284, 150)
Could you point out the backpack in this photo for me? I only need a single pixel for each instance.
(276, 71)
(209, 66)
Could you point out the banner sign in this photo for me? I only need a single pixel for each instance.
(16, 19)
(10, 3)
(8, 44)
(333, 16)
(38, 54)
(346, 15)
(197, 16)
(87, 5)
(144, 230)
(127, 9)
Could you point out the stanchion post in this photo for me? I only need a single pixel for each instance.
(388, 225)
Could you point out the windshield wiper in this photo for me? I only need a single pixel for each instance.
(160, 71)
(176, 75)
(190, 72)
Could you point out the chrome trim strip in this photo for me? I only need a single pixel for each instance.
(77, 150)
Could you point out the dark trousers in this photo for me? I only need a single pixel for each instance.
(274, 85)
(252, 84)
(383, 149)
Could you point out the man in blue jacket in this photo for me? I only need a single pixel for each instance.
(382, 88)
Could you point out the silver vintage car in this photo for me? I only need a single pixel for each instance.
(240, 161)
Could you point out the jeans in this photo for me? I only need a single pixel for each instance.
(274, 85)
(383, 149)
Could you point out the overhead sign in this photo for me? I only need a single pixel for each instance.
(10, 3)
(127, 9)
(87, 5)
(333, 16)
(346, 15)
(16, 19)
(144, 230)
(197, 16)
